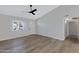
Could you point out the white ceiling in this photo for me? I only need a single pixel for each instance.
(22, 10)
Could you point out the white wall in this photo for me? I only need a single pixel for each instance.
(52, 24)
(6, 27)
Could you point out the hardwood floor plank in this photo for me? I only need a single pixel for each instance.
(39, 44)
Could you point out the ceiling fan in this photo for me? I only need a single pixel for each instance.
(32, 11)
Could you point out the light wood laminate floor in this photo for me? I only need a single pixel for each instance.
(39, 44)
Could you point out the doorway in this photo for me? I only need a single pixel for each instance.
(71, 27)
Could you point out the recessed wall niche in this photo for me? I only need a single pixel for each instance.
(17, 25)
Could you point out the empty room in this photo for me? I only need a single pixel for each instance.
(39, 29)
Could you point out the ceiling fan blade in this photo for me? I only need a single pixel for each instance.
(33, 13)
